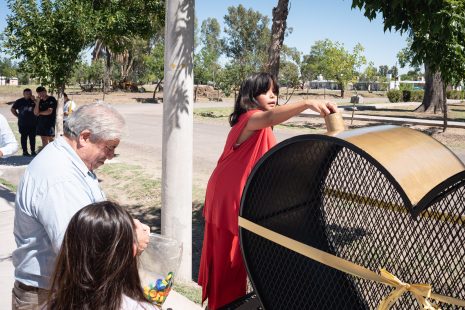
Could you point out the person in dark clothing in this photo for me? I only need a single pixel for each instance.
(23, 109)
(46, 110)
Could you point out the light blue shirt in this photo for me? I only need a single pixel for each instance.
(55, 185)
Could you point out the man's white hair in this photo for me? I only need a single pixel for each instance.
(101, 119)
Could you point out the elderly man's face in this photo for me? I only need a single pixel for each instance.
(95, 153)
(100, 151)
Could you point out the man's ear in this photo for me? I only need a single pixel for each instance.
(84, 137)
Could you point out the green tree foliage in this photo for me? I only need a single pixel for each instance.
(308, 69)
(289, 73)
(246, 42)
(405, 58)
(152, 70)
(437, 33)
(8, 68)
(383, 70)
(47, 37)
(437, 30)
(334, 62)
(87, 75)
(118, 23)
(206, 66)
(369, 75)
(154, 64)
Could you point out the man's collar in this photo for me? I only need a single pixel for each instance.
(76, 160)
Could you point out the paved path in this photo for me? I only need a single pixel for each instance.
(7, 246)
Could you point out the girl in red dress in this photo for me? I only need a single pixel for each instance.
(222, 273)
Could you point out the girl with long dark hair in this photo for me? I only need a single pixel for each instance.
(222, 273)
(96, 267)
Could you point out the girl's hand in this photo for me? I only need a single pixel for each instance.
(324, 108)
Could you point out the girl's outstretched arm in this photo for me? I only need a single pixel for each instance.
(280, 114)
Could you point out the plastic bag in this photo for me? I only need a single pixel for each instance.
(158, 266)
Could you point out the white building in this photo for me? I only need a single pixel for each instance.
(8, 81)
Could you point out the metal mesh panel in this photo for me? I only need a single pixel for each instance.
(332, 198)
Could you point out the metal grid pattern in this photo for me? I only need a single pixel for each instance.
(333, 198)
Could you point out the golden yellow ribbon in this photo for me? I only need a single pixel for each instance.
(420, 291)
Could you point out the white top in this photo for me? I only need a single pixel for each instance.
(69, 108)
(128, 303)
(8, 144)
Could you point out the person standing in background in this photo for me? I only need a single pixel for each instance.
(68, 107)
(46, 110)
(23, 109)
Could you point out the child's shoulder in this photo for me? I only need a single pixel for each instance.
(128, 303)
(249, 113)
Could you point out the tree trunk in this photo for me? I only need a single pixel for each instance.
(97, 49)
(59, 111)
(127, 64)
(278, 30)
(155, 90)
(444, 107)
(195, 92)
(108, 68)
(342, 90)
(434, 98)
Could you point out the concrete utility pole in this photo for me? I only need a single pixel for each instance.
(176, 212)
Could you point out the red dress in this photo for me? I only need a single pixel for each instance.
(222, 273)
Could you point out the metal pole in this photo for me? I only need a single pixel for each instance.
(176, 212)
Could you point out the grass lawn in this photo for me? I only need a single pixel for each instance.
(10, 186)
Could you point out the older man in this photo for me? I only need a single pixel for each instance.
(59, 182)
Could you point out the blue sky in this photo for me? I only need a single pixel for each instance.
(314, 20)
(311, 20)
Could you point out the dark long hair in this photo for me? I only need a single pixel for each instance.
(96, 263)
(253, 86)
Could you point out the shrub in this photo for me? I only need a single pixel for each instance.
(394, 95)
(417, 95)
(455, 94)
(404, 86)
(412, 95)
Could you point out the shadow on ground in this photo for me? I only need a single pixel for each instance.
(147, 100)
(16, 160)
(7, 194)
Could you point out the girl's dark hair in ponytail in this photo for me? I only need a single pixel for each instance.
(254, 85)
